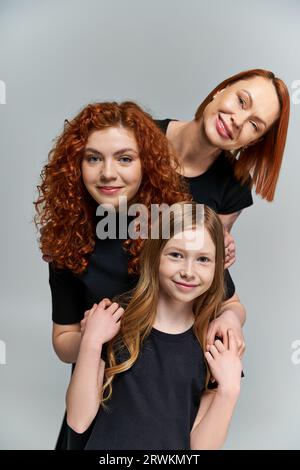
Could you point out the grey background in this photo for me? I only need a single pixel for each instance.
(55, 57)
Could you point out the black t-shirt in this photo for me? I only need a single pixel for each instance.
(217, 187)
(154, 404)
(106, 276)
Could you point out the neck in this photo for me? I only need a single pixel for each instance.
(192, 146)
(173, 316)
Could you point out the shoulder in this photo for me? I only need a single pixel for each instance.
(226, 165)
(61, 274)
(163, 124)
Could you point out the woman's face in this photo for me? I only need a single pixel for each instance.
(241, 113)
(111, 166)
(187, 265)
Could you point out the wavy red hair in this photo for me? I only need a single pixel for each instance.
(262, 159)
(65, 209)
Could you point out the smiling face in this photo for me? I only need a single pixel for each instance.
(241, 113)
(111, 166)
(187, 265)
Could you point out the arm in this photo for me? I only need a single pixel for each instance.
(234, 306)
(229, 219)
(85, 389)
(216, 408)
(66, 338)
(213, 420)
(66, 341)
(232, 316)
(84, 392)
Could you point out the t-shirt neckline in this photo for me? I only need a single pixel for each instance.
(171, 336)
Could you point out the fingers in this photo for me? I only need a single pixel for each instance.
(104, 303)
(230, 257)
(232, 342)
(208, 357)
(91, 311)
(117, 315)
(113, 308)
(219, 346)
(223, 335)
(211, 333)
(241, 347)
(213, 351)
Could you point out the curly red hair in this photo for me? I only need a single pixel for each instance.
(65, 209)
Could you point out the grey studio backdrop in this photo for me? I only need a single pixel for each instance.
(57, 56)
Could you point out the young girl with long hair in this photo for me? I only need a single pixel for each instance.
(143, 372)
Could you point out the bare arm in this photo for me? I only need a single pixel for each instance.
(85, 389)
(234, 305)
(229, 219)
(213, 419)
(84, 392)
(66, 341)
(216, 408)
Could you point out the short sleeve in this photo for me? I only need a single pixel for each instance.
(236, 197)
(67, 296)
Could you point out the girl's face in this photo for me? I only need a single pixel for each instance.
(111, 166)
(241, 113)
(187, 265)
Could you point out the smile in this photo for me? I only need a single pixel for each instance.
(109, 189)
(185, 287)
(222, 129)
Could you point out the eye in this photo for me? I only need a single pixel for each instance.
(204, 259)
(92, 158)
(241, 101)
(175, 255)
(125, 159)
(254, 125)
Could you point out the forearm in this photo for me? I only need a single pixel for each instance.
(84, 392)
(66, 346)
(234, 306)
(212, 430)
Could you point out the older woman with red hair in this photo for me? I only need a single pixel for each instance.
(235, 141)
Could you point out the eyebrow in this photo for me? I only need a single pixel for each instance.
(203, 253)
(251, 102)
(115, 154)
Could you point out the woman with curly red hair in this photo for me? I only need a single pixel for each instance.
(107, 151)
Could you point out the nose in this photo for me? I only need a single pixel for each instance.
(108, 171)
(238, 119)
(187, 270)
(236, 122)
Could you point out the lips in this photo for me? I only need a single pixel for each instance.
(184, 286)
(223, 128)
(109, 189)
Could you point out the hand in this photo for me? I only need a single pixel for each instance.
(225, 364)
(102, 323)
(219, 328)
(104, 303)
(229, 244)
